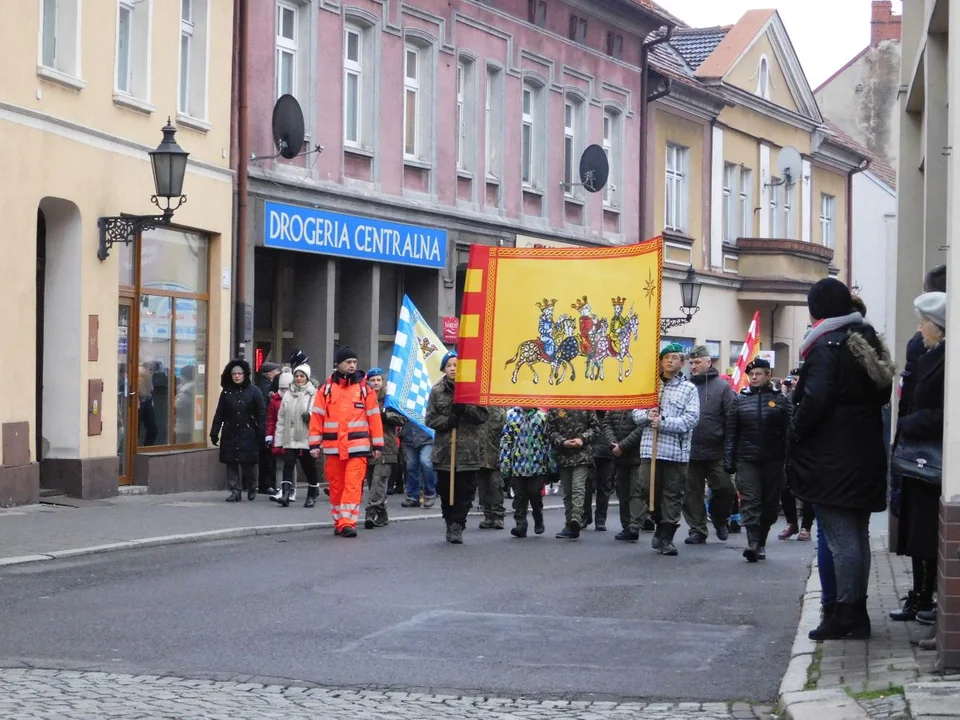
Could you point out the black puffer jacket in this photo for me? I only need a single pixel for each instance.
(619, 428)
(240, 420)
(925, 419)
(717, 399)
(757, 427)
(837, 455)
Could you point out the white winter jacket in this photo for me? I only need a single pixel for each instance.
(292, 432)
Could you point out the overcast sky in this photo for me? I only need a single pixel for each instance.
(825, 33)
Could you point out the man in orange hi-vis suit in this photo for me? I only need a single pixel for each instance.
(345, 424)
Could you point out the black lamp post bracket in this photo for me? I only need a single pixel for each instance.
(124, 228)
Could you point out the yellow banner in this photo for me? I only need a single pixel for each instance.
(576, 327)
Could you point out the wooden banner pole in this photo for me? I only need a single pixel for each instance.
(453, 463)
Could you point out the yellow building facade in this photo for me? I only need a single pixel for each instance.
(739, 111)
(114, 364)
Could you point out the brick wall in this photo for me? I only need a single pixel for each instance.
(884, 25)
(948, 591)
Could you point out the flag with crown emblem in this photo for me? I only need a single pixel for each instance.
(415, 365)
(575, 327)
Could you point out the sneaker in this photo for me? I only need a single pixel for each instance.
(789, 531)
(428, 502)
(804, 536)
(348, 532)
(695, 538)
(927, 617)
(668, 548)
(567, 534)
(410, 503)
(722, 533)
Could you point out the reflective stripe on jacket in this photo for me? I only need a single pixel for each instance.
(345, 420)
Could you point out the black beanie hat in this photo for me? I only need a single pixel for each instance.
(343, 354)
(829, 298)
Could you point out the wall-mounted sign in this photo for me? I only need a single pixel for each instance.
(291, 227)
(451, 329)
(528, 241)
(770, 356)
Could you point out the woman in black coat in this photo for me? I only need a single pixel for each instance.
(922, 419)
(239, 425)
(837, 455)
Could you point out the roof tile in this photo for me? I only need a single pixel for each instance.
(696, 44)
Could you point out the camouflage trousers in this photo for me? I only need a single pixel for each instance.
(490, 491)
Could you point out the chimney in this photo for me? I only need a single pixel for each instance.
(884, 25)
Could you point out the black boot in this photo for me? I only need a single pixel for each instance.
(753, 544)
(381, 519)
(762, 544)
(826, 612)
(911, 605)
(849, 620)
(234, 496)
(520, 531)
(252, 493)
(449, 532)
(488, 522)
(538, 527)
(286, 492)
(860, 621)
(657, 540)
(456, 534)
(313, 492)
(666, 540)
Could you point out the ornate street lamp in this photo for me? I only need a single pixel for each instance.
(690, 289)
(169, 163)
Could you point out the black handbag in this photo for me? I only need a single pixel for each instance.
(918, 459)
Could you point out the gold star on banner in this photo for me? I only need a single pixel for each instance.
(650, 288)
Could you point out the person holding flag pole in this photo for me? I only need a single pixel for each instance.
(665, 445)
(456, 448)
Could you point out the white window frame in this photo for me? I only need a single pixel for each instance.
(730, 197)
(411, 85)
(774, 193)
(134, 92)
(763, 78)
(612, 144)
(125, 84)
(193, 78)
(353, 68)
(746, 202)
(788, 211)
(570, 112)
(528, 176)
(286, 46)
(493, 123)
(461, 87)
(674, 216)
(827, 220)
(58, 43)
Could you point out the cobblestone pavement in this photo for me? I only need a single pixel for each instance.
(28, 694)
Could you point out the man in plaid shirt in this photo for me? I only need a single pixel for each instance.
(674, 420)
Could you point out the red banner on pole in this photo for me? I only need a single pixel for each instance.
(750, 350)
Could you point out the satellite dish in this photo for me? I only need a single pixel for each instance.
(789, 165)
(594, 168)
(288, 126)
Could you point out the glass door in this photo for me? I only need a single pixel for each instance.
(126, 391)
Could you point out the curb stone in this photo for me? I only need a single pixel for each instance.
(832, 704)
(203, 536)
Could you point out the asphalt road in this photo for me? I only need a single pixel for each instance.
(399, 608)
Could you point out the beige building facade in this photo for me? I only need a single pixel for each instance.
(928, 217)
(114, 364)
(738, 100)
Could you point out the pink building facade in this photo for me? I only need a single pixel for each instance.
(442, 124)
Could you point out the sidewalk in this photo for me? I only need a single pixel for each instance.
(36, 533)
(883, 677)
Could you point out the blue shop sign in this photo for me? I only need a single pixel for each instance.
(291, 227)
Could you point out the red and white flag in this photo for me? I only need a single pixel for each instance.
(749, 351)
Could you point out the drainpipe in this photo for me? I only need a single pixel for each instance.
(863, 166)
(644, 119)
(773, 327)
(243, 153)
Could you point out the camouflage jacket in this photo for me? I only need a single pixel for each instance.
(563, 425)
(492, 430)
(392, 422)
(443, 416)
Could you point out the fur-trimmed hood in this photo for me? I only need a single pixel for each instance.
(226, 381)
(873, 357)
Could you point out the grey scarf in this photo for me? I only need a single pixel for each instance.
(827, 326)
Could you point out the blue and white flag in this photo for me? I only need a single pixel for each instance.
(415, 365)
